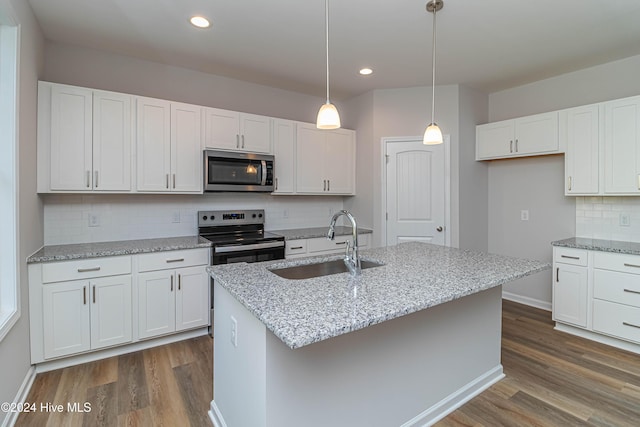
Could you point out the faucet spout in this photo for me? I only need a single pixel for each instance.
(352, 256)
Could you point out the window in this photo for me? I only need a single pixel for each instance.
(9, 284)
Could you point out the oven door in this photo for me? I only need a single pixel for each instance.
(254, 252)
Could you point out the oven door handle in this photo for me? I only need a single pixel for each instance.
(243, 248)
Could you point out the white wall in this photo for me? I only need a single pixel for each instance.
(541, 179)
(14, 348)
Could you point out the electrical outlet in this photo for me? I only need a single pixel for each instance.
(234, 331)
(524, 215)
(94, 220)
(625, 220)
(285, 214)
(175, 217)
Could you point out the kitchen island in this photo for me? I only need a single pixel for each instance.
(404, 343)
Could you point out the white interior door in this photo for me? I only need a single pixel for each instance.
(415, 192)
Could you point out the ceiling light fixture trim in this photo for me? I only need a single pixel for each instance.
(433, 134)
(199, 21)
(328, 117)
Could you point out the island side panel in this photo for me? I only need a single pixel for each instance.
(408, 371)
(239, 375)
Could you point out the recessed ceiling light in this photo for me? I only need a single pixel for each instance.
(200, 22)
(366, 71)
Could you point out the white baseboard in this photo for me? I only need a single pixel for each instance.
(216, 416)
(21, 396)
(456, 399)
(543, 305)
(594, 336)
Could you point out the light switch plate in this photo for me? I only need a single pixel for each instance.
(625, 220)
(524, 215)
(94, 220)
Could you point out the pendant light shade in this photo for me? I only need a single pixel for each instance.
(433, 134)
(328, 117)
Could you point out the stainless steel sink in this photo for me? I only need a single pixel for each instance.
(307, 271)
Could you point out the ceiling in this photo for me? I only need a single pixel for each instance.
(489, 45)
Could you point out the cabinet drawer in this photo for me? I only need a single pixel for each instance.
(295, 247)
(570, 256)
(173, 259)
(614, 286)
(85, 269)
(618, 320)
(617, 262)
(325, 245)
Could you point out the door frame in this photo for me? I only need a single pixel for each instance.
(447, 183)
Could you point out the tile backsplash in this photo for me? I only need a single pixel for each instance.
(99, 218)
(608, 218)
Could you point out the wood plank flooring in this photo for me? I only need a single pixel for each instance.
(552, 379)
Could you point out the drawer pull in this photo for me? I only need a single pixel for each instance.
(631, 265)
(176, 260)
(296, 247)
(631, 291)
(630, 324)
(86, 270)
(570, 257)
(341, 243)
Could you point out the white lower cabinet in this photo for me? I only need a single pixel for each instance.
(570, 284)
(322, 246)
(173, 299)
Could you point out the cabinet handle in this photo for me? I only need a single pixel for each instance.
(88, 179)
(167, 178)
(511, 146)
(570, 257)
(172, 283)
(631, 291)
(276, 186)
(242, 141)
(95, 180)
(237, 141)
(296, 247)
(174, 181)
(631, 265)
(85, 270)
(630, 324)
(570, 183)
(94, 294)
(324, 187)
(328, 185)
(341, 243)
(84, 295)
(516, 145)
(179, 281)
(175, 260)
(557, 274)
(638, 181)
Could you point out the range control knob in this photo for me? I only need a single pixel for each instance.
(253, 216)
(259, 215)
(204, 218)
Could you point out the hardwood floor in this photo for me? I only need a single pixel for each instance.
(552, 379)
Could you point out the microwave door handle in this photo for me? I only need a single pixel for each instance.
(264, 172)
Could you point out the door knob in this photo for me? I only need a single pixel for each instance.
(439, 229)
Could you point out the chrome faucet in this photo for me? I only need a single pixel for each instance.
(351, 256)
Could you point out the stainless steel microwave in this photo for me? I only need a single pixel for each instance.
(231, 171)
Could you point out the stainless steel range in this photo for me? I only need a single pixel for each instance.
(238, 236)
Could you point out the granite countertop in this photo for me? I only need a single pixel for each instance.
(631, 248)
(124, 247)
(313, 232)
(415, 276)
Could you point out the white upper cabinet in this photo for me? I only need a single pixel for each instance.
(581, 128)
(284, 139)
(325, 160)
(622, 146)
(169, 146)
(230, 130)
(525, 136)
(84, 139)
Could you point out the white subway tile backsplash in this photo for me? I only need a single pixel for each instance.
(600, 218)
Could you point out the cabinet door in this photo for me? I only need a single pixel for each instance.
(570, 294)
(255, 133)
(284, 139)
(622, 146)
(495, 140)
(339, 164)
(112, 123)
(536, 134)
(192, 298)
(582, 157)
(310, 152)
(65, 321)
(71, 132)
(154, 144)
(156, 303)
(186, 148)
(110, 311)
(221, 129)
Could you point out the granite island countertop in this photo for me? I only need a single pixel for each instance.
(415, 276)
(314, 232)
(631, 248)
(123, 247)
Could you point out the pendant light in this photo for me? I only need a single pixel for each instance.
(433, 134)
(328, 117)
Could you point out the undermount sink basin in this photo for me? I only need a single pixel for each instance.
(308, 271)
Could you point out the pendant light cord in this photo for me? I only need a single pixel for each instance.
(433, 69)
(326, 21)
